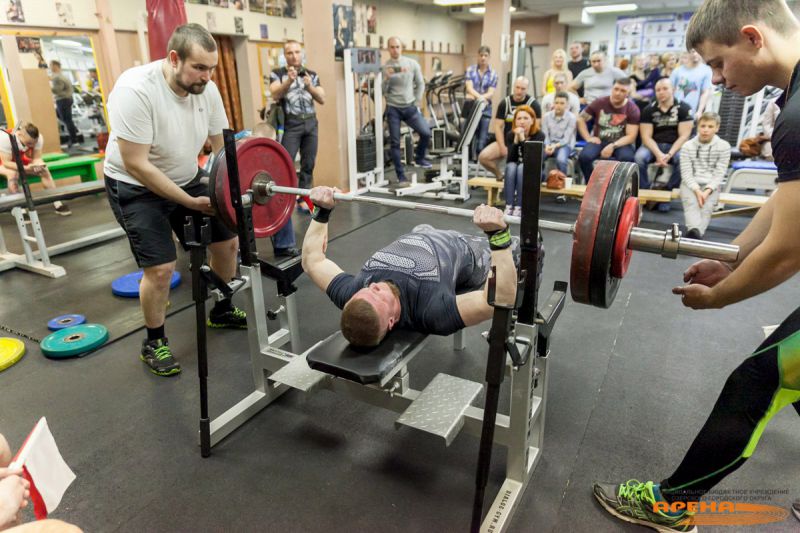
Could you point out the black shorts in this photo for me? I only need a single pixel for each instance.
(149, 219)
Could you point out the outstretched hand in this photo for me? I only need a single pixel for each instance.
(489, 218)
(702, 277)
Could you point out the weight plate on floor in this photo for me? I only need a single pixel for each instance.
(622, 253)
(602, 285)
(11, 351)
(127, 286)
(583, 240)
(74, 341)
(259, 159)
(65, 321)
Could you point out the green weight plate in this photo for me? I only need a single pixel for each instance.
(74, 341)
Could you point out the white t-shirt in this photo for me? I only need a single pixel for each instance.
(5, 146)
(143, 109)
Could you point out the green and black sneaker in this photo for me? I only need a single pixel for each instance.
(234, 318)
(635, 502)
(157, 355)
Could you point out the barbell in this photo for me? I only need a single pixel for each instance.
(604, 235)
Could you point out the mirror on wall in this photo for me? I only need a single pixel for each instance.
(80, 123)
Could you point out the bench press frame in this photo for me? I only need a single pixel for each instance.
(520, 430)
(38, 260)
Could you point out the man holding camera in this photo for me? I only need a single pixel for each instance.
(296, 88)
(403, 86)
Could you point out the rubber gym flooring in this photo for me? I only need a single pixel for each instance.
(629, 388)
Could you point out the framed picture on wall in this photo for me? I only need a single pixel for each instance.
(343, 26)
(14, 12)
(448, 48)
(414, 44)
(256, 6)
(440, 47)
(201, 2)
(372, 19)
(239, 5)
(290, 9)
(64, 13)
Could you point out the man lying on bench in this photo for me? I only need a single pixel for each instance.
(430, 281)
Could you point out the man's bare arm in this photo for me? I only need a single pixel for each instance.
(473, 306)
(319, 268)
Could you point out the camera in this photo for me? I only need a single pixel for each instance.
(301, 72)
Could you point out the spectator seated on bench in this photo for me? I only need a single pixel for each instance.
(665, 126)
(704, 163)
(29, 143)
(525, 129)
(497, 151)
(616, 126)
(559, 127)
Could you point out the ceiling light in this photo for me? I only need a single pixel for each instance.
(482, 10)
(65, 42)
(612, 8)
(457, 2)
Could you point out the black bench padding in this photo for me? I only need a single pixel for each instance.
(10, 201)
(337, 357)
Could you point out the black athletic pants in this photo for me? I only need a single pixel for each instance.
(763, 384)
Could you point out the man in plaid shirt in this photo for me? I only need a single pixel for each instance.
(481, 81)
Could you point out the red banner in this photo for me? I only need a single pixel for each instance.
(163, 16)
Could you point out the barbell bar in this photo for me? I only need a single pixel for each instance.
(604, 235)
(668, 243)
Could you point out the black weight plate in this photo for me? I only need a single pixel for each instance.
(602, 285)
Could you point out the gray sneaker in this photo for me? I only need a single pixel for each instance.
(796, 508)
(634, 501)
(157, 355)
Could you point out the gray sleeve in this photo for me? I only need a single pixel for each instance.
(581, 77)
(419, 84)
(687, 157)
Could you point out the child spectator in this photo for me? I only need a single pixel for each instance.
(704, 163)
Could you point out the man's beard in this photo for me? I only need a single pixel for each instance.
(195, 88)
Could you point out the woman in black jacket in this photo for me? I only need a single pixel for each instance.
(525, 129)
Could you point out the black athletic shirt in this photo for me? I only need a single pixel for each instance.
(505, 111)
(429, 267)
(665, 125)
(786, 136)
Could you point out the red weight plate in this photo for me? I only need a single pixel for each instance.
(266, 159)
(603, 286)
(622, 254)
(586, 229)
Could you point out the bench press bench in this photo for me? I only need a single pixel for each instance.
(38, 260)
(439, 409)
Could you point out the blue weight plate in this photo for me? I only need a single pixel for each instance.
(127, 286)
(65, 321)
(74, 341)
